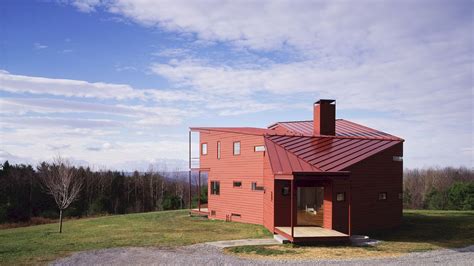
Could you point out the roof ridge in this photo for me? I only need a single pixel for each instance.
(294, 134)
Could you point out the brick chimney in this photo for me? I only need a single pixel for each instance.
(324, 117)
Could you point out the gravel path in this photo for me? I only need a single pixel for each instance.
(203, 254)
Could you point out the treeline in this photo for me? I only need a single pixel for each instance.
(22, 195)
(439, 188)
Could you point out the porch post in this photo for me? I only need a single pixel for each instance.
(349, 229)
(190, 186)
(291, 209)
(199, 193)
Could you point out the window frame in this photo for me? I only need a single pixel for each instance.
(256, 187)
(383, 198)
(218, 187)
(259, 146)
(202, 148)
(236, 181)
(343, 196)
(233, 148)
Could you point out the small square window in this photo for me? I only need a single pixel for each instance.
(237, 148)
(341, 196)
(398, 158)
(237, 183)
(259, 148)
(382, 196)
(204, 148)
(213, 213)
(285, 191)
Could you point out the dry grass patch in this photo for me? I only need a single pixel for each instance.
(294, 252)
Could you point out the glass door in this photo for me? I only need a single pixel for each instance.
(310, 201)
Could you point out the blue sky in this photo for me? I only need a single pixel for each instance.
(116, 83)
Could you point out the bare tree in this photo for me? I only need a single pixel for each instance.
(60, 181)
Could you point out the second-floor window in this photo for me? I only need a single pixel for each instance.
(237, 148)
(204, 148)
(218, 150)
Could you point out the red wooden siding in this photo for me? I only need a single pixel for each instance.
(340, 209)
(247, 167)
(282, 204)
(269, 195)
(327, 207)
(379, 173)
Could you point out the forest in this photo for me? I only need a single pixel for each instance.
(23, 197)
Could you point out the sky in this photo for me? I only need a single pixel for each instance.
(117, 83)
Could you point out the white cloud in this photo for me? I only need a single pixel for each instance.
(66, 87)
(411, 61)
(85, 6)
(39, 46)
(172, 52)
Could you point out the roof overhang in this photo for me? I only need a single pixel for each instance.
(314, 175)
(321, 175)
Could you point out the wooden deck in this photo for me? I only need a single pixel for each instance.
(311, 234)
(202, 211)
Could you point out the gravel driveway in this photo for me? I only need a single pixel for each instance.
(203, 254)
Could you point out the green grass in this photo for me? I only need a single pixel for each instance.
(421, 230)
(43, 243)
(425, 230)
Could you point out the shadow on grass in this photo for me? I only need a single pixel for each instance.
(439, 228)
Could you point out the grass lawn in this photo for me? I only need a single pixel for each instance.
(43, 243)
(420, 231)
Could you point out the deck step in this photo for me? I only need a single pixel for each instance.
(281, 239)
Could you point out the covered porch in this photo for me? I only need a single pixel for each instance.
(311, 233)
(313, 207)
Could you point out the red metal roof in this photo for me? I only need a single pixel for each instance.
(247, 130)
(344, 128)
(283, 162)
(291, 146)
(289, 154)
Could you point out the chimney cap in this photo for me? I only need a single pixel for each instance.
(325, 101)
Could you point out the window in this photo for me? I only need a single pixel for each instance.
(400, 195)
(215, 187)
(285, 191)
(204, 148)
(255, 187)
(237, 148)
(235, 215)
(341, 196)
(382, 196)
(213, 213)
(218, 150)
(237, 184)
(259, 148)
(398, 158)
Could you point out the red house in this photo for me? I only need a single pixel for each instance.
(323, 179)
